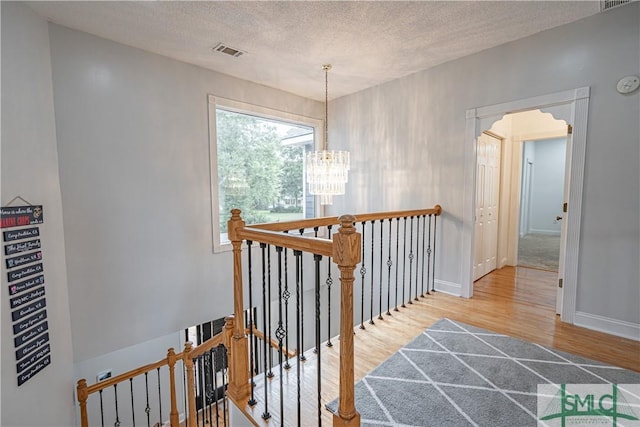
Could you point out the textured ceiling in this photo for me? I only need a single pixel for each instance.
(286, 43)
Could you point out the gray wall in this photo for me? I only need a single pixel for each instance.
(30, 170)
(411, 133)
(547, 185)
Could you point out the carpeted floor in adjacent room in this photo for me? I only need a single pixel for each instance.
(540, 251)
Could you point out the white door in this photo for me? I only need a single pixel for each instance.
(487, 192)
(563, 223)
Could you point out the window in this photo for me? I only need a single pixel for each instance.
(257, 165)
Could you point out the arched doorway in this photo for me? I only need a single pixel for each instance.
(519, 204)
(570, 106)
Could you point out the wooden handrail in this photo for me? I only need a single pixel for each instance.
(301, 243)
(125, 377)
(273, 343)
(207, 345)
(310, 223)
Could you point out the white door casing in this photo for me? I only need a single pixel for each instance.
(563, 224)
(572, 107)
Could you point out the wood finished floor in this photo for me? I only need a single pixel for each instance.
(514, 301)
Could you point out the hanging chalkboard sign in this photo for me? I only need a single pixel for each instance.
(15, 248)
(24, 272)
(17, 216)
(19, 260)
(25, 233)
(27, 323)
(25, 267)
(25, 285)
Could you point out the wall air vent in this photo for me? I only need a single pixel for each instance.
(228, 50)
(610, 4)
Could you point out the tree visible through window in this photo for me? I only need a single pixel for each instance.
(261, 168)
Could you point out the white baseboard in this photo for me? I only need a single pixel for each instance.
(448, 287)
(616, 327)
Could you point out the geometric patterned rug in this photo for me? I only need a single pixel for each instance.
(454, 375)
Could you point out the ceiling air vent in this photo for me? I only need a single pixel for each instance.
(610, 4)
(223, 48)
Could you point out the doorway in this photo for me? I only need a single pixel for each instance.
(572, 107)
(519, 195)
(541, 198)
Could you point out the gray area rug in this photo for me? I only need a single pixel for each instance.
(455, 375)
(539, 251)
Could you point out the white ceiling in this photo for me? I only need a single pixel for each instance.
(286, 42)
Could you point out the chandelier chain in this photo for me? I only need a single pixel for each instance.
(326, 69)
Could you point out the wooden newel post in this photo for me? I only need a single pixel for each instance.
(191, 384)
(347, 254)
(239, 387)
(174, 418)
(82, 399)
(229, 330)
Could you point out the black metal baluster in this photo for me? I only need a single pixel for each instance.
(389, 264)
(411, 260)
(404, 261)
(317, 259)
(298, 255)
(115, 393)
(147, 409)
(133, 413)
(417, 253)
(101, 409)
(429, 256)
(210, 373)
(184, 381)
(256, 346)
(424, 253)
(252, 400)
(265, 415)
(200, 368)
(269, 302)
(159, 394)
(433, 266)
(371, 322)
(301, 305)
(329, 283)
(380, 276)
(216, 368)
(280, 333)
(397, 257)
(286, 296)
(225, 367)
(363, 272)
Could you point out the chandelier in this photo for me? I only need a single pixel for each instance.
(327, 170)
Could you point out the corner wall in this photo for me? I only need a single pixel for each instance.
(133, 143)
(30, 170)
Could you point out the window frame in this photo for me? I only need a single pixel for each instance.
(215, 102)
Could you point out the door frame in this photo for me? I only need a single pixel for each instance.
(572, 106)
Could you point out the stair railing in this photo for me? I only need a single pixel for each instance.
(345, 248)
(154, 378)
